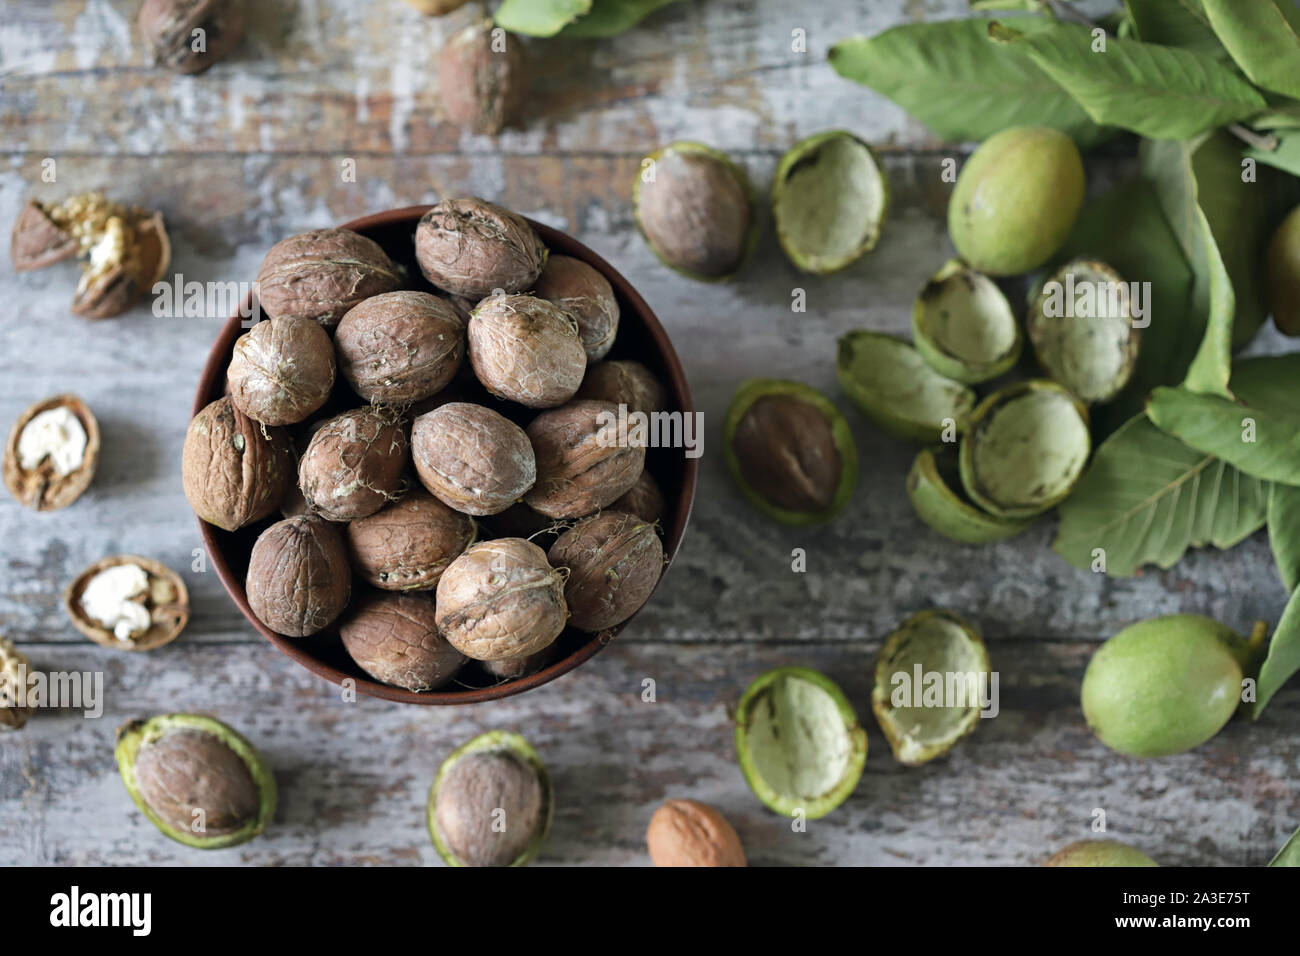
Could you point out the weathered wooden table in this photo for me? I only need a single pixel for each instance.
(253, 151)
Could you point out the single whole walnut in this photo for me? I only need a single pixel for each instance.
(394, 638)
(695, 211)
(472, 458)
(185, 771)
(407, 545)
(787, 453)
(481, 78)
(480, 792)
(501, 599)
(526, 350)
(281, 371)
(234, 470)
(584, 293)
(643, 499)
(625, 382)
(320, 275)
(298, 578)
(169, 28)
(400, 346)
(354, 464)
(581, 467)
(614, 561)
(470, 247)
(690, 833)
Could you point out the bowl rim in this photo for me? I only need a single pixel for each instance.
(212, 382)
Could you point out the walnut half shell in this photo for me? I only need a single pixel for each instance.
(165, 598)
(126, 249)
(42, 487)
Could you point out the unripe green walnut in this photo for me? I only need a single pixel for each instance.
(1164, 686)
(1099, 853)
(1016, 200)
(1284, 275)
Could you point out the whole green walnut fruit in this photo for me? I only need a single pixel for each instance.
(1164, 686)
(1284, 274)
(1016, 200)
(196, 780)
(1099, 853)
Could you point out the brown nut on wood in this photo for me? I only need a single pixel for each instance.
(501, 599)
(482, 78)
(614, 561)
(148, 611)
(394, 638)
(581, 467)
(16, 695)
(188, 36)
(407, 545)
(470, 247)
(188, 770)
(53, 465)
(298, 578)
(235, 471)
(690, 833)
(625, 382)
(320, 275)
(354, 464)
(281, 371)
(526, 350)
(643, 499)
(472, 458)
(400, 346)
(577, 288)
(38, 241)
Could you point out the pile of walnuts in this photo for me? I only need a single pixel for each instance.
(417, 441)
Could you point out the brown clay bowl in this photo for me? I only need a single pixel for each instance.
(640, 337)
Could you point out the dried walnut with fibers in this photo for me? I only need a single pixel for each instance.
(501, 599)
(472, 458)
(281, 371)
(298, 578)
(470, 247)
(526, 350)
(575, 287)
(580, 466)
(625, 382)
(235, 471)
(400, 346)
(171, 27)
(320, 275)
(394, 638)
(408, 545)
(614, 561)
(354, 464)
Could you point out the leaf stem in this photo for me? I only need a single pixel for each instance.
(1265, 142)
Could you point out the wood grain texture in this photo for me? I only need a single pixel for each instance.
(253, 151)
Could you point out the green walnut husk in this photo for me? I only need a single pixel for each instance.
(1025, 449)
(829, 200)
(936, 642)
(800, 745)
(701, 223)
(963, 325)
(1289, 855)
(1099, 853)
(495, 742)
(1166, 685)
(790, 451)
(1092, 354)
(898, 390)
(133, 737)
(1016, 200)
(934, 488)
